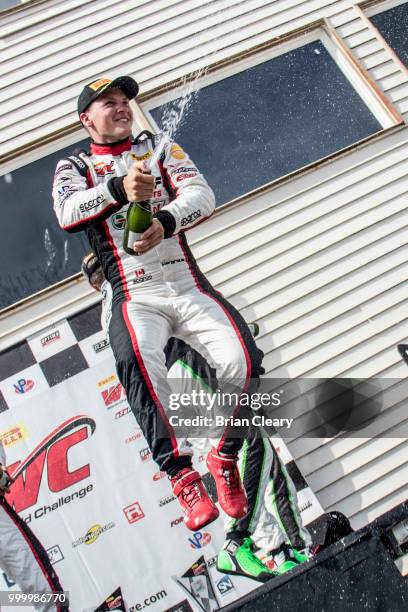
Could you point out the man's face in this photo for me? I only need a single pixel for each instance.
(109, 118)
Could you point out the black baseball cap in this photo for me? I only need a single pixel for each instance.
(90, 264)
(93, 90)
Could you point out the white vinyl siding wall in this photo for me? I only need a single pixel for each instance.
(319, 260)
(321, 264)
(51, 49)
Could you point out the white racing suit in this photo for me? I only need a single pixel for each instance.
(160, 294)
(273, 516)
(22, 557)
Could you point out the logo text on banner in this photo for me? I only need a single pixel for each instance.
(53, 451)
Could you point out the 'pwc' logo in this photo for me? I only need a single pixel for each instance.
(53, 451)
(23, 385)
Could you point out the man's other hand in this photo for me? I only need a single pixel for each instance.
(150, 238)
(6, 488)
(138, 183)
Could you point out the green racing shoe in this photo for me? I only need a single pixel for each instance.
(238, 558)
(281, 560)
(301, 556)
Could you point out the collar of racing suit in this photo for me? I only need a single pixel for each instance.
(116, 183)
(111, 148)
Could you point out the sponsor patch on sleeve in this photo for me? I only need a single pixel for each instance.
(86, 206)
(177, 152)
(190, 218)
(63, 168)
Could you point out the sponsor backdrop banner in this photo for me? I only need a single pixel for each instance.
(88, 488)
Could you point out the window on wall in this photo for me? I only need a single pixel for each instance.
(269, 119)
(5, 4)
(393, 25)
(34, 251)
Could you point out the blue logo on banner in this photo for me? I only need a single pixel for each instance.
(23, 385)
(199, 539)
(225, 585)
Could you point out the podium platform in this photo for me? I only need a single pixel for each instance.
(356, 574)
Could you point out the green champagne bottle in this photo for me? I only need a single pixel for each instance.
(139, 218)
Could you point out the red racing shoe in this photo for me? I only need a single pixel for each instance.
(231, 493)
(198, 508)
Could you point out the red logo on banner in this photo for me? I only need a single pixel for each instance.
(52, 337)
(13, 435)
(145, 454)
(120, 413)
(135, 436)
(112, 395)
(53, 452)
(133, 512)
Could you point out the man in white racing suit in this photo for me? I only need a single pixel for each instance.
(273, 524)
(159, 291)
(22, 557)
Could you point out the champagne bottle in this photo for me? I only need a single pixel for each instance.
(139, 218)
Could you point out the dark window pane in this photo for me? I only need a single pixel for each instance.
(393, 25)
(264, 122)
(7, 3)
(35, 252)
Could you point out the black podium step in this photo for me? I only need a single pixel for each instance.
(356, 574)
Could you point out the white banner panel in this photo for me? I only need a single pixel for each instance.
(87, 486)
